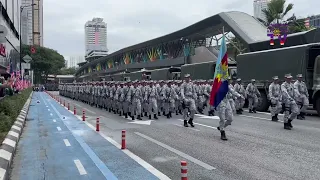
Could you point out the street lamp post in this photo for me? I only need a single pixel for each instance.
(21, 10)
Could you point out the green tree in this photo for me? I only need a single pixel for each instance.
(45, 61)
(297, 25)
(276, 10)
(67, 71)
(235, 47)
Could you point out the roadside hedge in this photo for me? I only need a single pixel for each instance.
(10, 107)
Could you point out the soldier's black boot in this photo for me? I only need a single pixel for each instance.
(239, 112)
(164, 113)
(125, 115)
(139, 117)
(159, 114)
(211, 113)
(145, 114)
(120, 114)
(289, 124)
(177, 113)
(191, 122)
(277, 117)
(168, 116)
(149, 116)
(109, 109)
(132, 117)
(286, 126)
(180, 111)
(185, 123)
(141, 114)
(155, 116)
(274, 118)
(223, 136)
(250, 111)
(254, 110)
(302, 115)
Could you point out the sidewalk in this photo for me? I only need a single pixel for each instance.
(57, 145)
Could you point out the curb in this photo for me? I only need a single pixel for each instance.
(10, 143)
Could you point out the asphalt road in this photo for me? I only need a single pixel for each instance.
(257, 148)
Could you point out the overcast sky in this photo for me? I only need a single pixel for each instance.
(134, 21)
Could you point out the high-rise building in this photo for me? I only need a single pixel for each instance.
(258, 6)
(32, 24)
(314, 21)
(73, 61)
(95, 35)
(9, 42)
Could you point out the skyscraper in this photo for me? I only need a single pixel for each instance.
(95, 35)
(32, 24)
(258, 6)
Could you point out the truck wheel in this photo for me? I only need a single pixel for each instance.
(263, 105)
(318, 105)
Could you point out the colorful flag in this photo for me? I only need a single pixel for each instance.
(220, 83)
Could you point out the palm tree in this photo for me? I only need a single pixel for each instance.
(276, 10)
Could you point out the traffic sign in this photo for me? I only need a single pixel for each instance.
(33, 50)
(27, 58)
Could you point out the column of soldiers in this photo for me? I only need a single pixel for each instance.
(151, 99)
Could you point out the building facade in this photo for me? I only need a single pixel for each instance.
(9, 44)
(258, 6)
(95, 35)
(73, 61)
(314, 21)
(32, 24)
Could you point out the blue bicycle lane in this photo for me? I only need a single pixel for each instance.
(56, 145)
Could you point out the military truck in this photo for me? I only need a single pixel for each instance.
(263, 65)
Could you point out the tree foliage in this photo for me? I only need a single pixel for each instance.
(276, 10)
(45, 61)
(67, 71)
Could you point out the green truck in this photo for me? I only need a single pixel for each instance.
(263, 65)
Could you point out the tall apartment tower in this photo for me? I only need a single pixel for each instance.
(258, 6)
(32, 24)
(95, 35)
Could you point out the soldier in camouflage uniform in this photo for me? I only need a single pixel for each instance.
(188, 95)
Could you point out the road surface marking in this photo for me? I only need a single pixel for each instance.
(201, 124)
(66, 142)
(13, 134)
(16, 128)
(54, 120)
(136, 158)
(186, 156)
(259, 118)
(189, 128)
(59, 129)
(101, 166)
(48, 109)
(51, 114)
(9, 142)
(5, 154)
(80, 167)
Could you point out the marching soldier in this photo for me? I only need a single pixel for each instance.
(275, 96)
(303, 96)
(238, 87)
(188, 95)
(253, 94)
(151, 98)
(291, 108)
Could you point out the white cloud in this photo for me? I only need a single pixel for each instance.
(131, 22)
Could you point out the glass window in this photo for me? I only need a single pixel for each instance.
(10, 9)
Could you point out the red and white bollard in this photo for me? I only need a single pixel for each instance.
(123, 139)
(98, 124)
(83, 115)
(184, 170)
(74, 110)
(68, 106)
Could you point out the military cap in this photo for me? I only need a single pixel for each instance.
(187, 75)
(239, 79)
(253, 80)
(229, 78)
(169, 81)
(299, 76)
(275, 77)
(288, 76)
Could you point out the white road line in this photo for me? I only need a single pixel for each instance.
(136, 158)
(80, 167)
(59, 129)
(186, 156)
(48, 109)
(255, 117)
(54, 120)
(201, 124)
(66, 142)
(51, 114)
(189, 128)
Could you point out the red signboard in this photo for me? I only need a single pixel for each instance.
(2, 50)
(33, 50)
